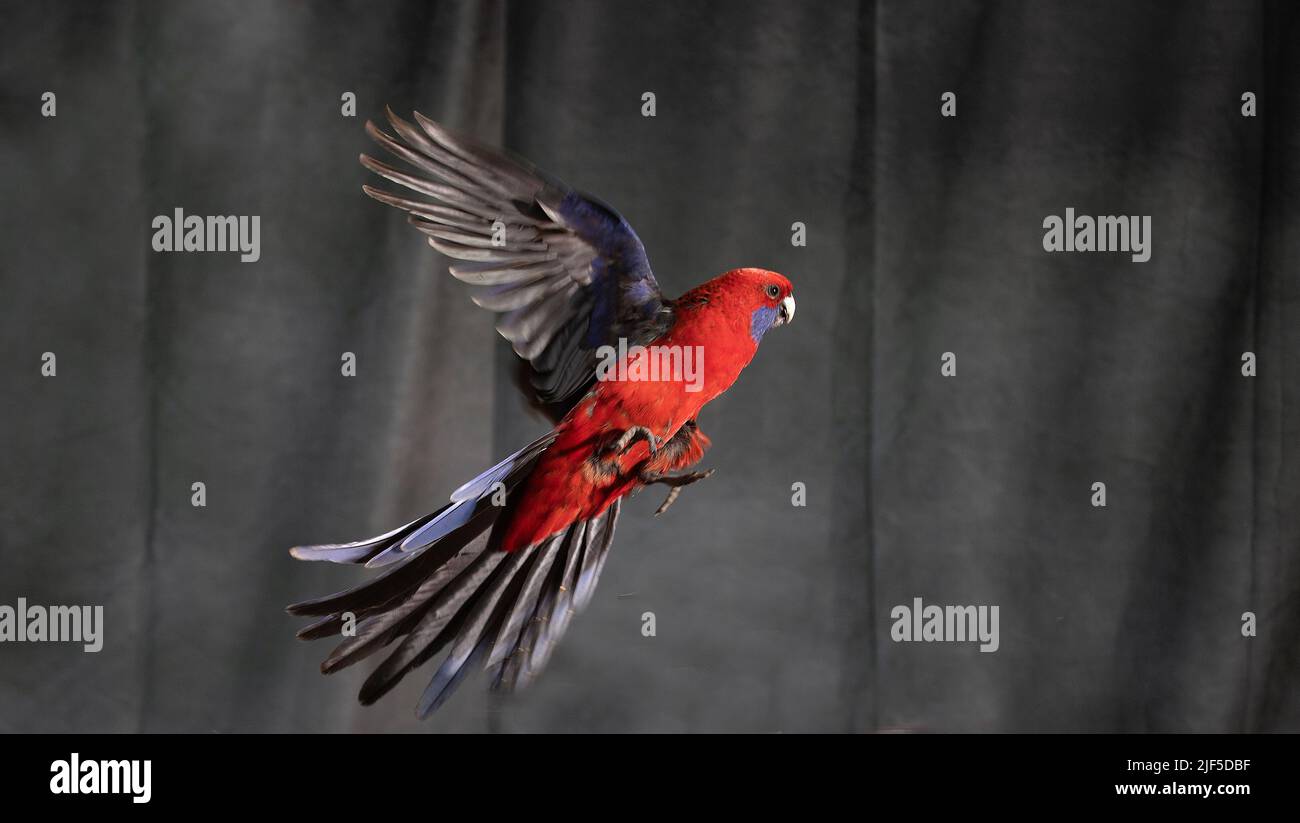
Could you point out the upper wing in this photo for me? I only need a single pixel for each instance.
(565, 271)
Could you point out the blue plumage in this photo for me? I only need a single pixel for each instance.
(623, 288)
(761, 320)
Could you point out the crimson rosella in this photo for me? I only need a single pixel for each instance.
(499, 571)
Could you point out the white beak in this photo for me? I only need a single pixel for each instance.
(787, 310)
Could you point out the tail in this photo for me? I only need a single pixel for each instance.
(449, 584)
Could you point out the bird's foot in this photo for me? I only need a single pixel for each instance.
(630, 437)
(675, 482)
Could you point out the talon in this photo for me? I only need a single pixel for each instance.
(630, 437)
(668, 501)
(676, 482)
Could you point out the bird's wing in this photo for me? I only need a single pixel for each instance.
(566, 273)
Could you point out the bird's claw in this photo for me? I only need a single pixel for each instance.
(631, 436)
(675, 482)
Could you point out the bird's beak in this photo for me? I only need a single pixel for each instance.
(786, 312)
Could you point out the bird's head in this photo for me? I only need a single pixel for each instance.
(767, 298)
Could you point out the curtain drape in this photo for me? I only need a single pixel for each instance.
(944, 404)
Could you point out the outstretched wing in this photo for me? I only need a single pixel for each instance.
(566, 272)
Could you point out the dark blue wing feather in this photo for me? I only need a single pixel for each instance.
(566, 272)
(623, 288)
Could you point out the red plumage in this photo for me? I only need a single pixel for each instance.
(569, 483)
(497, 573)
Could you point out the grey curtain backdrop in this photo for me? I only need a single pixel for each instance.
(924, 236)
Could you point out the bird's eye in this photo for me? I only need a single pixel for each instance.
(773, 292)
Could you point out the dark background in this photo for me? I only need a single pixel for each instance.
(924, 236)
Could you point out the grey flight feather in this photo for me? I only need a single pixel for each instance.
(511, 225)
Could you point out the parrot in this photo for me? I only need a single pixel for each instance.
(495, 576)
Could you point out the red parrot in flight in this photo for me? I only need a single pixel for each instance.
(498, 572)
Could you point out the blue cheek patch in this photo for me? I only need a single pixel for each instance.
(760, 321)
